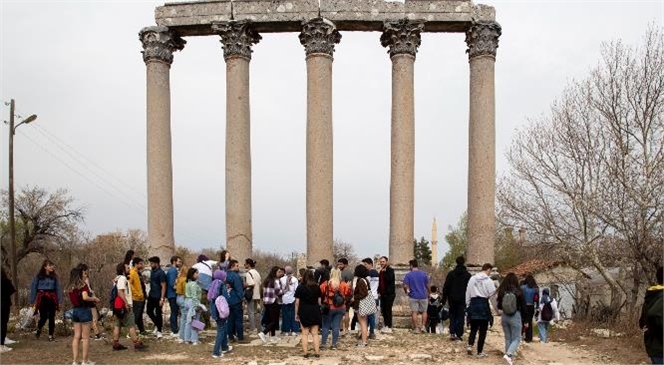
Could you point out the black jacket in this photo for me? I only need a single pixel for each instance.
(651, 318)
(456, 282)
(386, 282)
(7, 291)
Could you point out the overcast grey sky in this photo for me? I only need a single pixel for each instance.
(78, 66)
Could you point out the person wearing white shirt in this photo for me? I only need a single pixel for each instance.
(204, 267)
(288, 284)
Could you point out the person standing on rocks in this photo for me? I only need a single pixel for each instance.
(307, 311)
(157, 295)
(416, 286)
(373, 278)
(235, 297)
(137, 293)
(454, 293)
(480, 289)
(512, 304)
(651, 320)
(171, 295)
(386, 292)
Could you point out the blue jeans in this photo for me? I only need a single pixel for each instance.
(288, 323)
(190, 334)
(332, 320)
(657, 360)
(512, 330)
(221, 342)
(235, 328)
(542, 329)
(183, 319)
(173, 303)
(457, 315)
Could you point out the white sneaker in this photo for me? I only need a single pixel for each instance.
(9, 341)
(217, 356)
(386, 330)
(195, 343)
(262, 336)
(87, 363)
(482, 355)
(154, 331)
(508, 359)
(175, 335)
(5, 349)
(469, 350)
(74, 363)
(180, 341)
(230, 348)
(159, 335)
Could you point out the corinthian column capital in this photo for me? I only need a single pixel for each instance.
(482, 39)
(159, 43)
(237, 37)
(402, 36)
(319, 36)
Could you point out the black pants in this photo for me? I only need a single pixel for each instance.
(272, 313)
(528, 318)
(432, 324)
(457, 315)
(46, 312)
(482, 326)
(155, 314)
(386, 303)
(137, 308)
(5, 319)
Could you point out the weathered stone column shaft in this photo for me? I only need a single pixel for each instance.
(482, 41)
(159, 45)
(319, 37)
(237, 39)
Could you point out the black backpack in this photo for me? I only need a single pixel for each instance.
(547, 312)
(338, 299)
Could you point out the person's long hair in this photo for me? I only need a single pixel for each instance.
(42, 271)
(530, 281)
(184, 269)
(335, 278)
(76, 281)
(509, 283)
(222, 256)
(271, 277)
(190, 273)
(129, 255)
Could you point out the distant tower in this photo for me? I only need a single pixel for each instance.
(434, 244)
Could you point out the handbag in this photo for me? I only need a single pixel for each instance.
(249, 293)
(367, 306)
(197, 325)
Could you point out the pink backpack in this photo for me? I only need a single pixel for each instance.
(222, 307)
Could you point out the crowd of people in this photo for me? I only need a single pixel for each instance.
(301, 303)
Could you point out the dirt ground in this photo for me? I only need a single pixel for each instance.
(568, 346)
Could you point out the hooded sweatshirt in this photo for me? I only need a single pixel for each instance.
(456, 282)
(651, 320)
(480, 285)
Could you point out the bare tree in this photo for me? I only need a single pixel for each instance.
(592, 171)
(343, 249)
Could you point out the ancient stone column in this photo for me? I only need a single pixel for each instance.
(482, 41)
(403, 37)
(158, 47)
(236, 40)
(318, 37)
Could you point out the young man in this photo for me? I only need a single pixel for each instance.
(157, 294)
(416, 286)
(137, 293)
(126, 320)
(373, 280)
(234, 299)
(171, 295)
(480, 289)
(386, 292)
(454, 293)
(651, 320)
(322, 273)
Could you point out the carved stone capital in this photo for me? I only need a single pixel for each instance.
(482, 39)
(236, 38)
(159, 43)
(402, 36)
(319, 36)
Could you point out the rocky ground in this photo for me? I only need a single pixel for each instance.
(400, 347)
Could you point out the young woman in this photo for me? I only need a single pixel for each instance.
(224, 260)
(543, 323)
(180, 284)
(531, 296)
(129, 257)
(46, 296)
(192, 300)
(332, 318)
(271, 290)
(307, 311)
(253, 280)
(82, 301)
(509, 294)
(95, 311)
(363, 302)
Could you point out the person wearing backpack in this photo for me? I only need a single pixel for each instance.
(547, 314)
(512, 304)
(122, 309)
(219, 312)
(480, 289)
(332, 307)
(650, 320)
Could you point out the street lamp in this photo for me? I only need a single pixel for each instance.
(12, 227)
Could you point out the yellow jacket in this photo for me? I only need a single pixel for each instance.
(180, 284)
(135, 283)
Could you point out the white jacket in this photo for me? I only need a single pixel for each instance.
(556, 312)
(479, 285)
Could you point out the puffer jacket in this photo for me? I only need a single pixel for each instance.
(651, 320)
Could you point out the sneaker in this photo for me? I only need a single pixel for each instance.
(323, 347)
(87, 363)
(9, 341)
(372, 336)
(334, 347)
(175, 334)
(262, 336)
(469, 350)
(360, 344)
(180, 340)
(159, 335)
(415, 331)
(195, 343)
(5, 349)
(508, 359)
(154, 331)
(482, 355)
(217, 356)
(74, 363)
(386, 330)
(51, 338)
(118, 347)
(230, 348)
